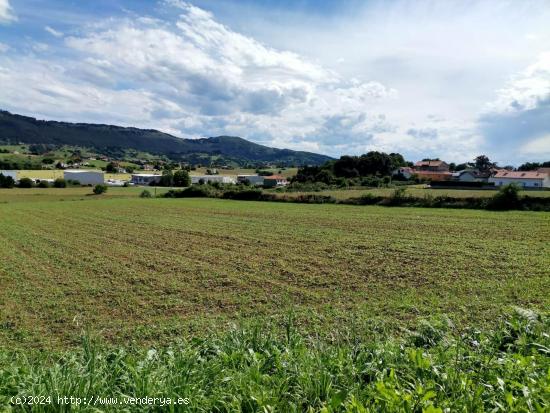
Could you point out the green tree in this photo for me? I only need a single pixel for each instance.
(182, 178)
(6, 181)
(111, 167)
(59, 183)
(167, 178)
(483, 163)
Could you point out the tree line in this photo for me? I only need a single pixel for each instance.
(373, 163)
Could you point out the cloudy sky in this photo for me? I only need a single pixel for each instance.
(451, 79)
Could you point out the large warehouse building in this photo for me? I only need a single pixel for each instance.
(84, 177)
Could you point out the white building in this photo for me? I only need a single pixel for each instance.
(255, 180)
(405, 171)
(84, 177)
(529, 179)
(465, 176)
(212, 178)
(13, 174)
(145, 179)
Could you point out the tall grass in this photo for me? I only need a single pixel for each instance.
(269, 368)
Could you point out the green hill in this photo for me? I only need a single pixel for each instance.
(23, 129)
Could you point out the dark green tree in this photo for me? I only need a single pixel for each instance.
(167, 178)
(182, 178)
(483, 163)
(25, 183)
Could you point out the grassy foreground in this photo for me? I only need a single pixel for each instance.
(270, 369)
(393, 309)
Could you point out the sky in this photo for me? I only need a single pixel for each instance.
(450, 79)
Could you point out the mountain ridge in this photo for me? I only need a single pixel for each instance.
(29, 130)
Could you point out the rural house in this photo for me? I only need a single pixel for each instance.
(275, 180)
(529, 179)
(84, 177)
(473, 175)
(431, 166)
(404, 171)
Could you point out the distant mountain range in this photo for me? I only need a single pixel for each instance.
(23, 129)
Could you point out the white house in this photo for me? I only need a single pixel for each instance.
(213, 178)
(255, 180)
(84, 177)
(466, 176)
(13, 174)
(405, 171)
(145, 179)
(529, 179)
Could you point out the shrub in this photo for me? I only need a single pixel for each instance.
(25, 183)
(506, 198)
(59, 183)
(195, 191)
(100, 189)
(43, 184)
(243, 195)
(398, 197)
(145, 194)
(167, 178)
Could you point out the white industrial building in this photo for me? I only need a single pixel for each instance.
(84, 177)
(12, 174)
(212, 178)
(529, 179)
(256, 180)
(145, 179)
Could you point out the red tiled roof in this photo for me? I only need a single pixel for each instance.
(520, 175)
(544, 170)
(277, 177)
(433, 173)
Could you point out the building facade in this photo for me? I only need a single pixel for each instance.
(12, 174)
(84, 177)
(145, 179)
(529, 179)
(197, 179)
(255, 180)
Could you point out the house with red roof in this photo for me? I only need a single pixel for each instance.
(275, 180)
(432, 166)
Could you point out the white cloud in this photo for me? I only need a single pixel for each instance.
(525, 90)
(4, 47)
(373, 81)
(6, 12)
(539, 147)
(199, 77)
(53, 32)
(518, 120)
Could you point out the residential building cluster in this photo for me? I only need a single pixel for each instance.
(439, 171)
